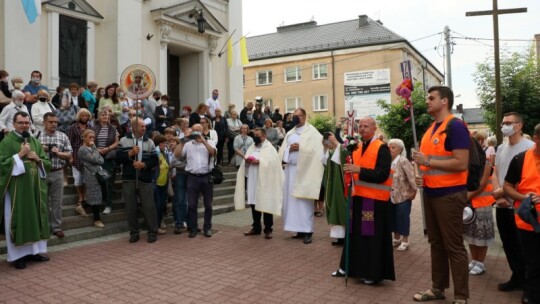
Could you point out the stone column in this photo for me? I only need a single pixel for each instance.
(90, 52)
(162, 82)
(53, 62)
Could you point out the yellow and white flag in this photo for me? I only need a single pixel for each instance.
(237, 54)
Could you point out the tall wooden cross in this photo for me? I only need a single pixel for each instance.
(495, 13)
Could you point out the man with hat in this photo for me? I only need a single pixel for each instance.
(522, 181)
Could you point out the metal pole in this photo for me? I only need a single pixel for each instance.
(498, 103)
(448, 55)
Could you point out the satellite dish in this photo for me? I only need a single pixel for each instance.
(138, 81)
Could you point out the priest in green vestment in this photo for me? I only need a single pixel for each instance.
(23, 167)
(335, 200)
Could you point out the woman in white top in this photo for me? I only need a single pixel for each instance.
(280, 131)
(126, 103)
(234, 125)
(241, 144)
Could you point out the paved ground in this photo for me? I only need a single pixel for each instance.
(228, 268)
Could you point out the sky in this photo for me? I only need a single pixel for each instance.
(412, 20)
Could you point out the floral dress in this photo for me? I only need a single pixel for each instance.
(91, 161)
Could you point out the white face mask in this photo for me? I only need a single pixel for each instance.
(19, 102)
(508, 130)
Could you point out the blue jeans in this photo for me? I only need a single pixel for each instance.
(180, 200)
(160, 194)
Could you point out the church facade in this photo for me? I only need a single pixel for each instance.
(78, 41)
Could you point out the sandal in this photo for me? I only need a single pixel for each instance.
(429, 295)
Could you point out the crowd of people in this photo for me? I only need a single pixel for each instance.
(98, 133)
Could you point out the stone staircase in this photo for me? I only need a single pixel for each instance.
(78, 228)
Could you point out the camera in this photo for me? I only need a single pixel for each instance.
(51, 153)
(195, 135)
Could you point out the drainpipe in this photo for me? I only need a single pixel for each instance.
(333, 84)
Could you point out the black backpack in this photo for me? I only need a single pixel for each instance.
(477, 161)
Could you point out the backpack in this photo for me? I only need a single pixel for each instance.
(477, 161)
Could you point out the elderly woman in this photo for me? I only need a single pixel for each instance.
(75, 135)
(241, 144)
(403, 192)
(91, 160)
(234, 125)
(271, 134)
(107, 138)
(66, 113)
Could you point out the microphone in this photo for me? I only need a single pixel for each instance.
(25, 136)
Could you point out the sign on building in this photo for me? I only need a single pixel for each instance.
(364, 88)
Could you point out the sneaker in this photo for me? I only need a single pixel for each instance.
(163, 225)
(396, 242)
(404, 246)
(99, 224)
(107, 211)
(161, 231)
(471, 264)
(80, 210)
(478, 269)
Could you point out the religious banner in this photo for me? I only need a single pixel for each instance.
(364, 88)
(138, 81)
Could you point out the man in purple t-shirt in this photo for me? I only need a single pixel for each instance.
(445, 195)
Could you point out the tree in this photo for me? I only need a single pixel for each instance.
(396, 124)
(520, 88)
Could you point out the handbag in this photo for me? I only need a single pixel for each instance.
(102, 175)
(216, 176)
(170, 188)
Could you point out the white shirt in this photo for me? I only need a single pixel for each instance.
(197, 157)
(212, 106)
(38, 110)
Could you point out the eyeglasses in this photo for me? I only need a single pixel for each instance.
(508, 123)
(25, 123)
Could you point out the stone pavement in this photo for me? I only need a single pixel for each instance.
(229, 268)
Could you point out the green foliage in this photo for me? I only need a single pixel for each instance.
(520, 88)
(393, 122)
(323, 123)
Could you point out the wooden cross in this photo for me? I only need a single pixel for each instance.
(495, 12)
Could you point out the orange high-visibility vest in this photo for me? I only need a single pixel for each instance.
(530, 182)
(368, 161)
(484, 198)
(432, 146)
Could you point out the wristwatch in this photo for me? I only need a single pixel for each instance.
(426, 163)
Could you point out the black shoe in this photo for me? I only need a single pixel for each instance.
(509, 286)
(307, 238)
(193, 233)
(177, 230)
(38, 258)
(338, 242)
(299, 235)
(524, 299)
(134, 238)
(208, 233)
(151, 238)
(20, 263)
(252, 232)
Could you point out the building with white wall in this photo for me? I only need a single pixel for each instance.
(78, 40)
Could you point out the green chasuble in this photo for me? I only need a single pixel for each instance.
(28, 191)
(335, 200)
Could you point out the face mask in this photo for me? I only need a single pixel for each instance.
(249, 116)
(214, 97)
(158, 98)
(43, 99)
(121, 95)
(36, 80)
(256, 139)
(184, 112)
(295, 120)
(277, 111)
(19, 102)
(164, 103)
(18, 85)
(508, 130)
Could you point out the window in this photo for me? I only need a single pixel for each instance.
(320, 71)
(293, 74)
(264, 77)
(320, 103)
(292, 103)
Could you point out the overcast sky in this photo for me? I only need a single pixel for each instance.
(414, 19)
